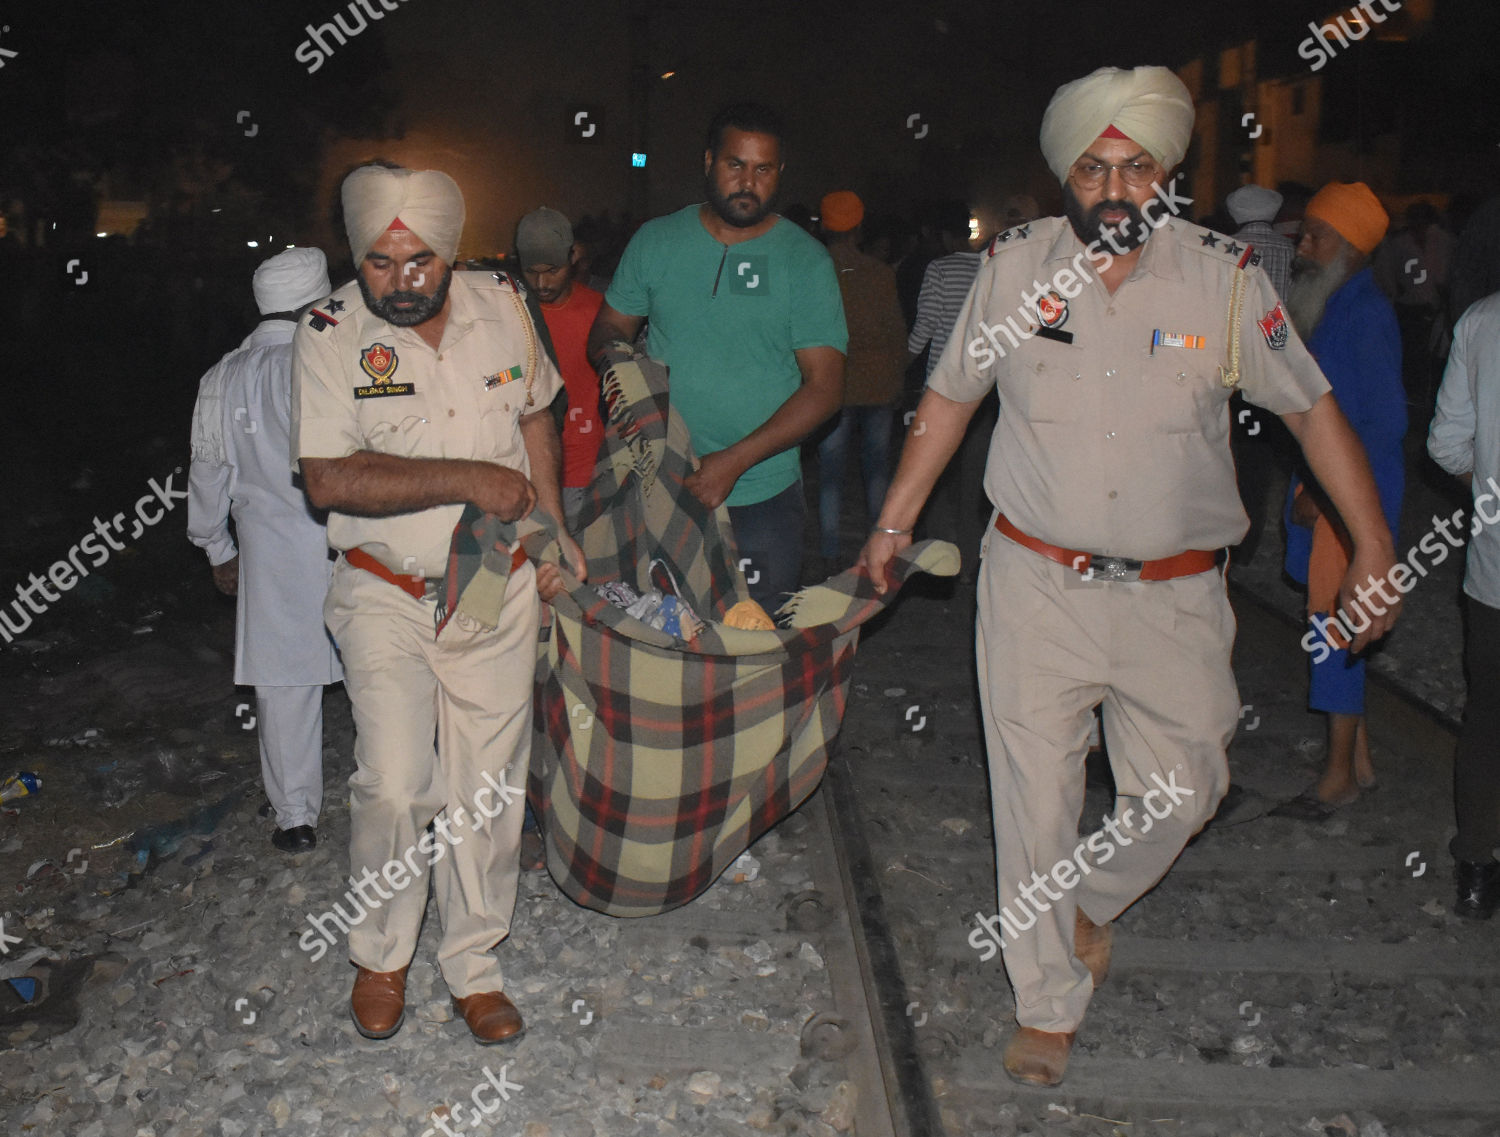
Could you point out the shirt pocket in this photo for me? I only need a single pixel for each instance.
(1047, 386)
(498, 410)
(398, 425)
(1185, 396)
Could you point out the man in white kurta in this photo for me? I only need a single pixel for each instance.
(279, 569)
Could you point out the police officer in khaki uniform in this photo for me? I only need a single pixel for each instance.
(415, 391)
(1108, 333)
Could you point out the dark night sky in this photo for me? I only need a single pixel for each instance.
(482, 89)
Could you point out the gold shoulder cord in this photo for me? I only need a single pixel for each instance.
(530, 341)
(1231, 376)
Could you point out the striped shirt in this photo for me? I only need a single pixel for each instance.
(945, 287)
(1276, 253)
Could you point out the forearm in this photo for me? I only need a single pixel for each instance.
(208, 511)
(793, 421)
(379, 485)
(1338, 461)
(544, 450)
(610, 327)
(936, 432)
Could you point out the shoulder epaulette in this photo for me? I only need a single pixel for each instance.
(1019, 233)
(322, 316)
(510, 280)
(1224, 249)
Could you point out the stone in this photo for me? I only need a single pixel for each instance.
(839, 1112)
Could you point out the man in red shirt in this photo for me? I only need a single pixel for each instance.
(549, 258)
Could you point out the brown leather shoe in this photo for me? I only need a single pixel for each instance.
(491, 1016)
(1091, 943)
(378, 1002)
(1038, 1057)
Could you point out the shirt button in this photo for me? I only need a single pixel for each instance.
(450, 412)
(440, 357)
(1113, 494)
(1110, 373)
(1111, 434)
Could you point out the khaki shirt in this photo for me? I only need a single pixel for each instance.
(1103, 444)
(359, 383)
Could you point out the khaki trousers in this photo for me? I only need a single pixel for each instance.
(1052, 646)
(470, 690)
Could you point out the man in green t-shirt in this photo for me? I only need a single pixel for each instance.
(744, 309)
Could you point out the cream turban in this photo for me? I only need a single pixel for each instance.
(428, 202)
(290, 279)
(1149, 105)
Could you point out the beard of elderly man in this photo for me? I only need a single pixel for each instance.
(1324, 263)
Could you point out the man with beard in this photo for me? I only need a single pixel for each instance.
(415, 392)
(744, 309)
(1351, 330)
(1115, 494)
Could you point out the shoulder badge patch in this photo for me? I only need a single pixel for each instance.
(1274, 327)
(317, 320)
(510, 282)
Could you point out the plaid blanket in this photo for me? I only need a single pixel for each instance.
(657, 762)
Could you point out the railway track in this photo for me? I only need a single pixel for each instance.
(1283, 978)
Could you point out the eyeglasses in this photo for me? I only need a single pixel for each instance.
(1091, 175)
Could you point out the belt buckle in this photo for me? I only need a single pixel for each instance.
(1113, 568)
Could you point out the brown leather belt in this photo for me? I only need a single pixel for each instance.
(413, 586)
(1097, 567)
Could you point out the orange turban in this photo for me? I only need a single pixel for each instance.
(841, 211)
(1354, 211)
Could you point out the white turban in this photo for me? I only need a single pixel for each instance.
(1253, 203)
(289, 280)
(1149, 105)
(428, 202)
